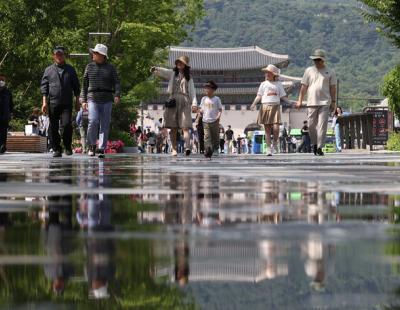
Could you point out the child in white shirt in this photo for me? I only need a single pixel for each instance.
(211, 109)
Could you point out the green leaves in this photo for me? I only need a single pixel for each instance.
(391, 89)
(29, 29)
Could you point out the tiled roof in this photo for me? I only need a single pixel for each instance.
(240, 58)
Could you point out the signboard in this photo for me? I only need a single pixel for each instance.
(379, 127)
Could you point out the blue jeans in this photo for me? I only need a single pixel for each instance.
(337, 137)
(99, 123)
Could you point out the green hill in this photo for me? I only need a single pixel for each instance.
(359, 54)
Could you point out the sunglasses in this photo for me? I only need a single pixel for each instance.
(318, 59)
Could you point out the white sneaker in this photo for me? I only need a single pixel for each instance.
(275, 149)
(269, 151)
(91, 151)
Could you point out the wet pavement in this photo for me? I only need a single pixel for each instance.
(155, 232)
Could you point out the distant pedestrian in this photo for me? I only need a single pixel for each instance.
(221, 140)
(336, 128)
(282, 138)
(101, 87)
(229, 138)
(59, 84)
(211, 109)
(270, 93)
(82, 121)
(319, 83)
(6, 109)
(305, 145)
(182, 101)
(33, 120)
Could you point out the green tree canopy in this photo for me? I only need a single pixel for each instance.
(386, 13)
(139, 30)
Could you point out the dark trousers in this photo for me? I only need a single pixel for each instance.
(3, 132)
(222, 145)
(200, 132)
(305, 145)
(60, 120)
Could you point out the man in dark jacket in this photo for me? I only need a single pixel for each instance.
(6, 108)
(101, 87)
(59, 84)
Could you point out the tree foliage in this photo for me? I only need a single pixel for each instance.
(139, 29)
(385, 13)
(391, 89)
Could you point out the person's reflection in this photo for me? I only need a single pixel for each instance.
(318, 261)
(179, 207)
(100, 248)
(57, 245)
(181, 254)
(208, 200)
(94, 214)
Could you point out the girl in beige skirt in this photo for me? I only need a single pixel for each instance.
(270, 93)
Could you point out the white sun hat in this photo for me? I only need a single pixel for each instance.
(101, 49)
(271, 68)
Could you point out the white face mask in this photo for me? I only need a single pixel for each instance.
(2, 83)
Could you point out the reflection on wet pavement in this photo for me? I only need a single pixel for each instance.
(236, 232)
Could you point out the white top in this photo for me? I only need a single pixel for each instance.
(210, 108)
(319, 83)
(271, 92)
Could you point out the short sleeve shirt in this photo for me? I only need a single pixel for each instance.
(210, 108)
(319, 83)
(271, 92)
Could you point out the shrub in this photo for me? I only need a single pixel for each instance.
(123, 136)
(393, 143)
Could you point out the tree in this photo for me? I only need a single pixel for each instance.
(391, 89)
(386, 13)
(139, 30)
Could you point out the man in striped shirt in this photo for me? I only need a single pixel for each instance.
(101, 87)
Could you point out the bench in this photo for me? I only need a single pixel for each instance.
(18, 142)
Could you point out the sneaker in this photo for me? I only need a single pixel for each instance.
(320, 152)
(57, 154)
(188, 152)
(68, 152)
(269, 151)
(275, 149)
(208, 153)
(315, 149)
(216, 153)
(100, 153)
(91, 151)
(174, 153)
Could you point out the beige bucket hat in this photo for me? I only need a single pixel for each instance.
(271, 68)
(183, 59)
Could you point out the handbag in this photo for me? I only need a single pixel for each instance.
(170, 103)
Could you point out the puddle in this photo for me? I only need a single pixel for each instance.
(234, 233)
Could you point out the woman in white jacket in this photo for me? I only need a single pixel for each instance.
(181, 88)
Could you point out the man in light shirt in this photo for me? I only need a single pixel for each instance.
(319, 83)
